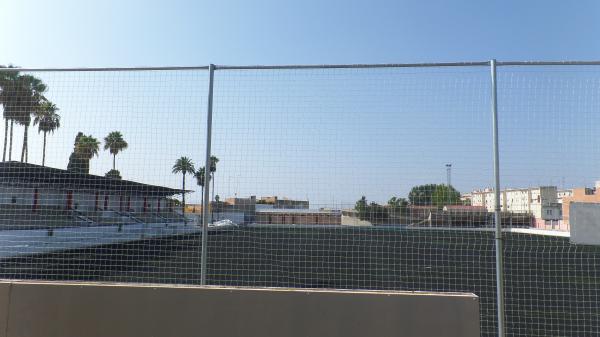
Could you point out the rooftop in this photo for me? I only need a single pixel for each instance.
(43, 176)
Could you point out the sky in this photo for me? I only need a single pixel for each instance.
(327, 135)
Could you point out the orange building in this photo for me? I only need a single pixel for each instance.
(582, 194)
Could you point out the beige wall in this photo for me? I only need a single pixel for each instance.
(93, 310)
(578, 195)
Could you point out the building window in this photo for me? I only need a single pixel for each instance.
(548, 212)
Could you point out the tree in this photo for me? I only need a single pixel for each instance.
(114, 174)
(434, 195)
(421, 195)
(377, 213)
(87, 147)
(445, 195)
(76, 163)
(29, 99)
(115, 143)
(8, 95)
(361, 207)
(21, 96)
(200, 177)
(47, 120)
(84, 149)
(397, 206)
(183, 165)
(372, 212)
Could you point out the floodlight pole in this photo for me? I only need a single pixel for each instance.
(497, 206)
(205, 205)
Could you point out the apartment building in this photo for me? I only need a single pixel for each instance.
(541, 202)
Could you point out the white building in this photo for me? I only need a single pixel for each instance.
(541, 202)
(27, 190)
(560, 194)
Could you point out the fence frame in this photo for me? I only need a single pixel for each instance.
(211, 68)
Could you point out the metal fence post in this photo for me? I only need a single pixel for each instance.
(497, 207)
(205, 205)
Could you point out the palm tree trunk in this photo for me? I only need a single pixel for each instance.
(183, 199)
(24, 149)
(114, 158)
(11, 138)
(5, 138)
(44, 151)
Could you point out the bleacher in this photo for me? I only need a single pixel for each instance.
(18, 217)
(153, 217)
(171, 216)
(108, 217)
(21, 217)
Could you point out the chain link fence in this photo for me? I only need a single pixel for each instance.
(337, 176)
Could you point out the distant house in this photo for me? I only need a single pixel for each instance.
(284, 203)
(299, 217)
(464, 209)
(582, 194)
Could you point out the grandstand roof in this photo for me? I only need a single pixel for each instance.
(43, 176)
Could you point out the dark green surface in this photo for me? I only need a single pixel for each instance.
(552, 287)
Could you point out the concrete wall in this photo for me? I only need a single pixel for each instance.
(585, 223)
(89, 310)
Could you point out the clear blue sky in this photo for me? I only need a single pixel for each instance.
(131, 33)
(330, 136)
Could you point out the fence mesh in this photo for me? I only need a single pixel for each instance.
(97, 166)
(548, 121)
(350, 178)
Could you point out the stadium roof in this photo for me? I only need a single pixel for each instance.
(43, 176)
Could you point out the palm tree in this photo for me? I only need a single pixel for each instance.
(47, 120)
(115, 143)
(9, 93)
(183, 165)
(213, 168)
(87, 147)
(200, 176)
(28, 100)
(7, 83)
(84, 149)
